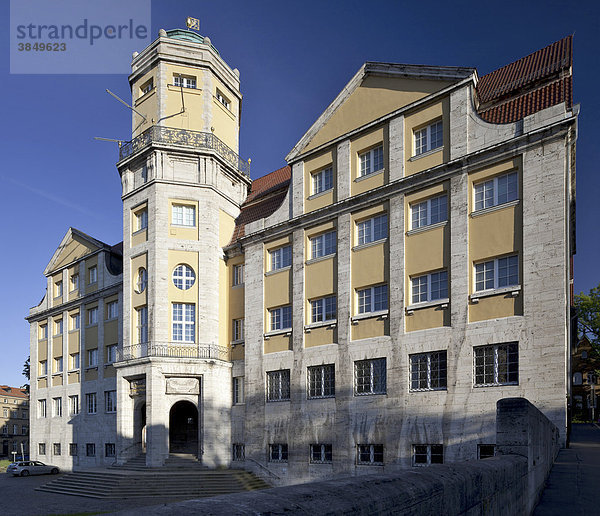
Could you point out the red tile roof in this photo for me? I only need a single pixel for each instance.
(15, 392)
(271, 182)
(535, 82)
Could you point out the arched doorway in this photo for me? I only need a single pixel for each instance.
(183, 428)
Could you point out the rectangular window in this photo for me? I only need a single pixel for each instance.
(58, 327)
(43, 367)
(238, 389)
(372, 299)
(92, 357)
(184, 81)
(74, 405)
(90, 449)
(74, 282)
(223, 99)
(110, 401)
(323, 245)
(424, 454)
(41, 448)
(371, 161)
(92, 316)
(90, 399)
(281, 318)
(239, 452)
(142, 322)
(322, 181)
(109, 449)
(43, 331)
(429, 212)
(58, 289)
(486, 450)
(58, 365)
(57, 407)
(74, 361)
(238, 330)
(280, 258)
(141, 219)
(93, 274)
(429, 138)
(323, 309)
(370, 376)
(184, 322)
(321, 381)
(56, 449)
(238, 275)
(75, 321)
(497, 364)
(183, 215)
(111, 353)
(24, 430)
(370, 454)
(429, 287)
(41, 408)
(497, 273)
(428, 371)
(372, 230)
(278, 385)
(278, 452)
(147, 86)
(499, 190)
(112, 310)
(73, 449)
(321, 453)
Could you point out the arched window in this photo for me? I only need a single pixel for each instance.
(577, 378)
(183, 277)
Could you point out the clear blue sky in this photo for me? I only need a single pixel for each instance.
(294, 57)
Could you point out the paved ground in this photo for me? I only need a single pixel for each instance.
(19, 498)
(574, 482)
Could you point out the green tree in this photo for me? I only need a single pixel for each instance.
(588, 315)
(26, 369)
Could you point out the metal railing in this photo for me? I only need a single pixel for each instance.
(173, 349)
(184, 137)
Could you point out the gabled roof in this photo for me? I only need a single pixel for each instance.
(535, 82)
(15, 392)
(73, 234)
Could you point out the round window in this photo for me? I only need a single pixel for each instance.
(142, 280)
(183, 277)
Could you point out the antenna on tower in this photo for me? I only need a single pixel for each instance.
(125, 104)
(120, 142)
(192, 23)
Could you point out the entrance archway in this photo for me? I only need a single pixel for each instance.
(183, 428)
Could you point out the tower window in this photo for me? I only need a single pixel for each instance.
(147, 86)
(183, 215)
(223, 99)
(184, 81)
(184, 277)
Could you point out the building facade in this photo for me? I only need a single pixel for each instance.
(361, 309)
(14, 422)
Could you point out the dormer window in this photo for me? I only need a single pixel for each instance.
(184, 81)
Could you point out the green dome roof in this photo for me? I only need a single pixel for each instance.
(188, 35)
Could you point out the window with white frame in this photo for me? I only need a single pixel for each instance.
(43, 331)
(425, 454)
(184, 322)
(238, 275)
(238, 389)
(323, 309)
(75, 321)
(109, 449)
(110, 401)
(370, 376)
(74, 282)
(74, 361)
(371, 161)
(93, 274)
(90, 449)
(223, 99)
(323, 245)
(321, 453)
(278, 385)
(142, 324)
(92, 357)
(497, 273)
(369, 454)
(147, 86)
(239, 451)
(58, 327)
(322, 181)
(486, 450)
(183, 277)
(372, 299)
(431, 211)
(184, 81)
(496, 364)
(238, 330)
(429, 138)
(43, 371)
(92, 316)
(281, 318)
(429, 287)
(280, 258)
(90, 401)
(57, 407)
(111, 353)
(321, 381)
(58, 289)
(183, 215)
(58, 364)
(496, 191)
(74, 405)
(278, 452)
(141, 280)
(141, 219)
(112, 310)
(372, 230)
(41, 408)
(428, 371)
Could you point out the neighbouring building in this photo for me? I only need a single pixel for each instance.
(359, 310)
(14, 421)
(585, 368)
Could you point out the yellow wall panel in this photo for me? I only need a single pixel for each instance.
(91, 374)
(321, 278)
(139, 237)
(427, 251)
(493, 307)
(278, 343)
(367, 328)
(91, 337)
(73, 344)
(320, 336)
(278, 289)
(110, 371)
(111, 332)
(57, 380)
(73, 377)
(370, 265)
(42, 383)
(57, 343)
(425, 318)
(237, 352)
(42, 349)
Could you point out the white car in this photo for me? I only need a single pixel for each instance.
(30, 467)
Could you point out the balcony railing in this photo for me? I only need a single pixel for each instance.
(173, 349)
(184, 137)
